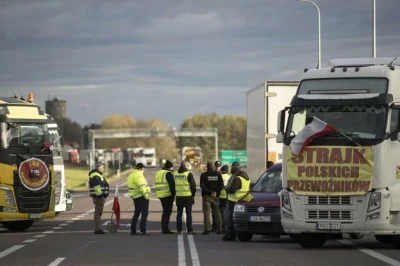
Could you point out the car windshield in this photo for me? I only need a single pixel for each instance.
(370, 119)
(269, 182)
(13, 134)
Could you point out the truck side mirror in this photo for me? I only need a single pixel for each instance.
(279, 138)
(281, 120)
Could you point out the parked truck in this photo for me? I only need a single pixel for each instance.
(341, 146)
(263, 104)
(146, 156)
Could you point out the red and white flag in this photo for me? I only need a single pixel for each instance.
(116, 208)
(315, 129)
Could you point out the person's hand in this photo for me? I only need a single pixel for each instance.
(214, 194)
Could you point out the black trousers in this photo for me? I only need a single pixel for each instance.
(141, 207)
(167, 204)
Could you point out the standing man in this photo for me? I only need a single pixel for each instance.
(99, 190)
(185, 188)
(165, 191)
(211, 184)
(140, 192)
(217, 168)
(237, 189)
(223, 197)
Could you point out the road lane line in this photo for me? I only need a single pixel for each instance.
(193, 251)
(68, 222)
(56, 262)
(181, 251)
(29, 241)
(75, 219)
(56, 228)
(10, 250)
(62, 224)
(48, 232)
(39, 236)
(372, 253)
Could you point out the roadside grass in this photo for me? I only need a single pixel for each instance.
(76, 177)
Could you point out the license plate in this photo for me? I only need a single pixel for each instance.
(34, 215)
(260, 218)
(328, 226)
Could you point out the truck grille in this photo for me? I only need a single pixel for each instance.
(317, 200)
(336, 215)
(266, 209)
(32, 201)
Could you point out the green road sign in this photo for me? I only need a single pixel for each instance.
(230, 156)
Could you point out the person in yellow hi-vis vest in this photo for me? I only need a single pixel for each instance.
(140, 192)
(223, 197)
(165, 191)
(238, 189)
(99, 190)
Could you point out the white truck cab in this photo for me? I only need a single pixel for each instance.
(348, 180)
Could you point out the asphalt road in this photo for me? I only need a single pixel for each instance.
(69, 240)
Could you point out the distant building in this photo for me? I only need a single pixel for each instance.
(56, 108)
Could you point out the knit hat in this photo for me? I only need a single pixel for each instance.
(168, 164)
(235, 170)
(225, 169)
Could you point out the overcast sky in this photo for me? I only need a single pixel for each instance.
(174, 58)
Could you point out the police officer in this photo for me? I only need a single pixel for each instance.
(165, 191)
(223, 197)
(99, 190)
(140, 192)
(217, 168)
(237, 189)
(185, 188)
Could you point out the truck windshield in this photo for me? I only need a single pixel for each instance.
(13, 134)
(270, 182)
(369, 85)
(366, 122)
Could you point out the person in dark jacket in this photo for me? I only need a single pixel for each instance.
(99, 190)
(211, 184)
(165, 191)
(217, 168)
(185, 188)
(234, 184)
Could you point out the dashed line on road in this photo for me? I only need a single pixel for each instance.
(181, 251)
(39, 236)
(10, 250)
(48, 232)
(62, 224)
(29, 241)
(372, 253)
(56, 228)
(56, 262)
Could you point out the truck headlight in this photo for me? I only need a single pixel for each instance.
(374, 201)
(239, 208)
(8, 196)
(286, 200)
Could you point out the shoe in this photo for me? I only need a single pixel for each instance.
(192, 233)
(205, 233)
(229, 238)
(134, 234)
(178, 233)
(167, 233)
(99, 232)
(145, 234)
(219, 233)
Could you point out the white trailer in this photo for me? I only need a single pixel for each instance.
(263, 104)
(146, 156)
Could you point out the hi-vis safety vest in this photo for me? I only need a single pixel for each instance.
(161, 184)
(182, 185)
(225, 177)
(101, 189)
(138, 186)
(242, 192)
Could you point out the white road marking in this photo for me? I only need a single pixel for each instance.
(75, 219)
(56, 228)
(29, 241)
(69, 222)
(193, 251)
(181, 251)
(62, 224)
(39, 236)
(81, 216)
(10, 250)
(56, 262)
(48, 232)
(372, 253)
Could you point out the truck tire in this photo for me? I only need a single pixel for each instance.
(396, 241)
(244, 237)
(17, 226)
(356, 236)
(385, 239)
(311, 240)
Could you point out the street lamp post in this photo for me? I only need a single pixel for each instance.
(319, 29)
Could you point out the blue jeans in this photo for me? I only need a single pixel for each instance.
(228, 217)
(141, 207)
(188, 208)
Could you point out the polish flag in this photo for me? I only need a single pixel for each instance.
(116, 208)
(315, 129)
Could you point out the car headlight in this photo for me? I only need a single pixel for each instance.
(239, 208)
(374, 201)
(286, 200)
(8, 196)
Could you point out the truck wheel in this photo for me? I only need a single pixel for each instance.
(356, 236)
(396, 241)
(385, 239)
(244, 237)
(18, 226)
(293, 236)
(311, 240)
